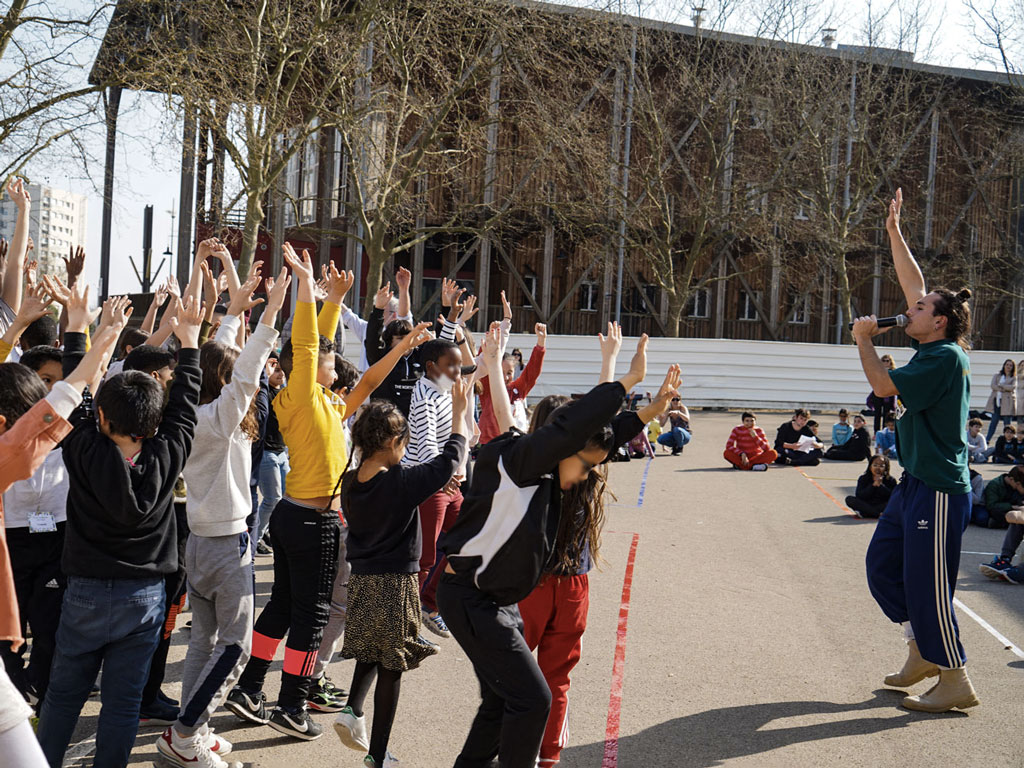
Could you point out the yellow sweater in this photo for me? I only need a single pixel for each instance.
(310, 417)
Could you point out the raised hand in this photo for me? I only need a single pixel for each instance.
(75, 300)
(222, 284)
(456, 305)
(383, 296)
(187, 322)
(172, 287)
(207, 248)
(892, 222)
(35, 303)
(320, 290)
(302, 268)
(115, 314)
(462, 390)
(403, 279)
(93, 365)
(419, 335)
(74, 263)
(637, 366)
(468, 310)
(448, 291)
(18, 190)
(31, 270)
(277, 290)
(506, 308)
(542, 334)
(492, 343)
(338, 283)
(210, 292)
(243, 299)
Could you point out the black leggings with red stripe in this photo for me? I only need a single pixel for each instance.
(306, 543)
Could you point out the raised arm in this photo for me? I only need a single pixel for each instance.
(403, 278)
(34, 305)
(338, 285)
(610, 346)
(907, 270)
(499, 395)
(379, 371)
(12, 285)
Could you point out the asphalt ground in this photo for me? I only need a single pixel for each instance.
(745, 636)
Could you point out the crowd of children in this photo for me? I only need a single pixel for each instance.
(129, 486)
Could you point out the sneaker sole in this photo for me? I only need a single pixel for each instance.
(170, 757)
(324, 707)
(244, 714)
(992, 573)
(150, 721)
(348, 739)
(293, 733)
(917, 706)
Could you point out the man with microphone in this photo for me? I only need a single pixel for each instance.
(914, 555)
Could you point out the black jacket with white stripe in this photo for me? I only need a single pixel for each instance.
(509, 518)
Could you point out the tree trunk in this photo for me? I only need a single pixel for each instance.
(377, 255)
(845, 294)
(250, 233)
(676, 305)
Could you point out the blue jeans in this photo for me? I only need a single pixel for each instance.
(115, 620)
(995, 422)
(674, 438)
(273, 470)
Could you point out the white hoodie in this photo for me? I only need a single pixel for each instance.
(218, 469)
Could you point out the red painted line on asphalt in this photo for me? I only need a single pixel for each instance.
(611, 734)
(830, 496)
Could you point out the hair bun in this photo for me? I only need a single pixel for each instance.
(964, 295)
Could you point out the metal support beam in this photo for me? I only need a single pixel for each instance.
(186, 194)
(630, 91)
(548, 271)
(112, 104)
(483, 287)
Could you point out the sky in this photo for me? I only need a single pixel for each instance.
(149, 143)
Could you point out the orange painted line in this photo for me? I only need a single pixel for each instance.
(832, 498)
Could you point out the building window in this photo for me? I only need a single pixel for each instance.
(804, 206)
(310, 172)
(588, 296)
(341, 174)
(531, 286)
(748, 309)
(759, 114)
(757, 201)
(291, 188)
(699, 305)
(801, 314)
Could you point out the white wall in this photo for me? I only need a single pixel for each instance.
(739, 374)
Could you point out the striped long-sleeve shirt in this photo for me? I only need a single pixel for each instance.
(430, 422)
(742, 441)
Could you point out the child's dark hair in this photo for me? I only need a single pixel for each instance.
(543, 410)
(132, 403)
(285, 358)
(348, 374)
(378, 423)
(885, 459)
(20, 389)
(971, 423)
(812, 423)
(843, 412)
(148, 359)
(217, 362)
(395, 328)
(435, 349)
(955, 308)
(748, 415)
(1010, 428)
(1017, 474)
(890, 420)
(131, 337)
(37, 357)
(801, 412)
(40, 332)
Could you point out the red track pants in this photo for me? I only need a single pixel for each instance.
(762, 458)
(437, 514)
(554, 619)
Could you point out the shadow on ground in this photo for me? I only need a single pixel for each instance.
(713, 737)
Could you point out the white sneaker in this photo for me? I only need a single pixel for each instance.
(760, 468)
(215, 742)
(435, 624)
(352, 730)
(188, 752)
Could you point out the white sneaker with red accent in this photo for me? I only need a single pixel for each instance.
(188, 752)
(215, 742)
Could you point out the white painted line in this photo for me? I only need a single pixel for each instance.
(965, 552)
(82, 749)
(989, 628)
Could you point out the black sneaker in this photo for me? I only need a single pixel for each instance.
(325, 696)
(161, 696)
(263, 549)
(158, 712)
(298, 725)
(251, 707)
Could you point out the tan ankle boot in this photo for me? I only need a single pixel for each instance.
(953, 691)
(915, 669)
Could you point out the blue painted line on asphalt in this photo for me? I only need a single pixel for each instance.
(643, 488)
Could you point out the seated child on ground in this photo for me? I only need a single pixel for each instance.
(874, 488)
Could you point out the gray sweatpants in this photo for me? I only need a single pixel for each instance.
(220, 585)
(335, 628)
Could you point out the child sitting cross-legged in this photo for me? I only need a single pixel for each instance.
(380, 500)
(874, 488)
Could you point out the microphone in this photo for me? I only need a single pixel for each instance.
(887, 322)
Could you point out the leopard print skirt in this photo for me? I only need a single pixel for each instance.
(383, 621)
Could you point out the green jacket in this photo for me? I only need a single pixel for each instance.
(1000, 498)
